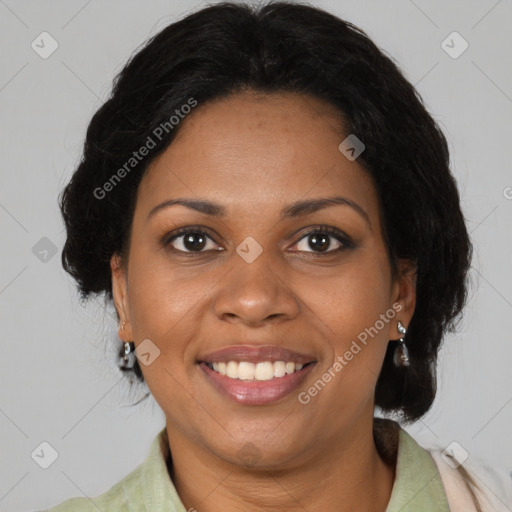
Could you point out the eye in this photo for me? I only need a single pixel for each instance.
(323, 240)
(189, 240)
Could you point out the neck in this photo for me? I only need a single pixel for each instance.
(343, 474)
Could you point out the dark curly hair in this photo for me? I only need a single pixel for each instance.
(285, 47)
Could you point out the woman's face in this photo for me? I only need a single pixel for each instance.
(259, 281)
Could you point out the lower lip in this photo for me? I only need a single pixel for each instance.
(256, 392)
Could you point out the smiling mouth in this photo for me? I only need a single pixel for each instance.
(255, 374)
(258, 385)
(260, 371)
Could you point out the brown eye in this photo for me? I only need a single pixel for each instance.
(324, 240)
(190, 241)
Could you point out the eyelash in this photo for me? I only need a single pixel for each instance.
(341, 237)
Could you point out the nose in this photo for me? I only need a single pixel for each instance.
(255, 293)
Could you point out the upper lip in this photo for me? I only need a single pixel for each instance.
(255, 354)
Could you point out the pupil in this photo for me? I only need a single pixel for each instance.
(320, 241)
(191, 245)
(324, 241)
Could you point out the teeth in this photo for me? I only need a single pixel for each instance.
(245, 371)
(232, 370)
(279, 369)
(266, 370)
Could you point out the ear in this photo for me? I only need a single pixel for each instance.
(120, 294)
(404, 294)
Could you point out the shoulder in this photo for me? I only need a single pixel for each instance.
(147, 488)
(459, 483)
(417, 486)
(124, 494)
(473, 478)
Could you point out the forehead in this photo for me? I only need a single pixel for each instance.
(252, 150)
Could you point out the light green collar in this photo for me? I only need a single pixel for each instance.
(418, 486)
(158, 490)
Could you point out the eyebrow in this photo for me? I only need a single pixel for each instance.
(292, 210)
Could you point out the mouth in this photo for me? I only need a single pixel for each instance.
(255, 375)
(265, 370)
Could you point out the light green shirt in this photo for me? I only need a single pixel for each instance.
(149, 488)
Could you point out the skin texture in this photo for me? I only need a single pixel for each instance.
(254, 154)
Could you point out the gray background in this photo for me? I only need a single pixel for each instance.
(57, 362)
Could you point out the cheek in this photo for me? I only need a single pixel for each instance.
(158, 297)
(355, 305)
(166, 309)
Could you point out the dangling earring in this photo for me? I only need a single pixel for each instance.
(128, 352)
(401, 355)
(127, 359)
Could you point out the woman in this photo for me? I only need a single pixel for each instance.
(270, 207)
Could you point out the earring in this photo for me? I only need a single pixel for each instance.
(401, 355)
(127, 354)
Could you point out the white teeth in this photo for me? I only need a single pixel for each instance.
(265, 370)
(279, 369)
(232, 370)
(245, 370)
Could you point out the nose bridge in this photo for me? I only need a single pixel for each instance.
(253, 290)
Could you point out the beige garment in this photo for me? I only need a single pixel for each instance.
(491, 488)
